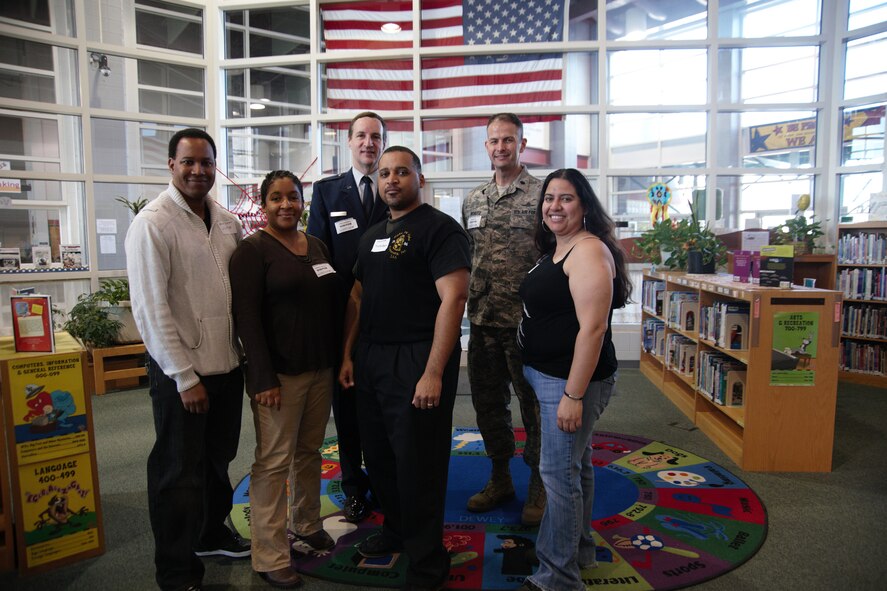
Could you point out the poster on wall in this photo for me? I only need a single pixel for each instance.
(795, 341)
(58, 508)
(48, 407)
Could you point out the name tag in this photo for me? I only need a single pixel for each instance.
(474, 221)
(345, 225)
(227, 227)
(338, 214)
(322, 269)
(381, 245)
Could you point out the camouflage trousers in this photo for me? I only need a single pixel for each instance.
(494, 362)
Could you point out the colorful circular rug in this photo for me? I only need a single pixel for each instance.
(664, 519)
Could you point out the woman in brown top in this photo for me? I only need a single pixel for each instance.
(288, 303)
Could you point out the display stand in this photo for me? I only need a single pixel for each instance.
(787, 418)
(50, 442)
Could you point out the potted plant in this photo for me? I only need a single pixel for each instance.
(90, 323)
(660, 245)
(104, 318)
(115, 295)
(133, 206)
(798, 232)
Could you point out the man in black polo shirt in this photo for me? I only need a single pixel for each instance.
(407, 301)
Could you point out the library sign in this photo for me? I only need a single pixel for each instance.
(795, 340)
(52, 456)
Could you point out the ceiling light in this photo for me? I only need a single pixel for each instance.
(256, 106)
(391, 28)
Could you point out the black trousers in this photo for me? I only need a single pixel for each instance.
(189, 492)
(407, 450)
(355, 481)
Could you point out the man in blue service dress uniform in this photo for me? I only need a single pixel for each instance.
(342, 208)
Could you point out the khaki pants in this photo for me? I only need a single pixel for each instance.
(288, 442)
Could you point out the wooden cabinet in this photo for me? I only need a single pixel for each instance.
(787, 417)
(862, 279)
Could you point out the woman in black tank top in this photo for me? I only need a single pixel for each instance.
(569, 359)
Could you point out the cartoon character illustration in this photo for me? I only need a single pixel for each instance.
(38, 400)
(57, 513)
(516, 554)
(63, 406)
(801, 353)
(653, 460)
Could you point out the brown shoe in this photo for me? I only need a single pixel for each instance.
(496, 492)
(282, 578)
(531, 515)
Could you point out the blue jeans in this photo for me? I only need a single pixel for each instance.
(565, 544)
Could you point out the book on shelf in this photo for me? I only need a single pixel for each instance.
(653, 292)
(72, 256)
(673, 351)
(689, 311)
(687, 358)
(733, 332)
(863, 283)
(712, 375)
(32, 323)
(651, 327)
(755, 268)
(675, 298)
(10, 259)
(735, 391)
(741, 265)
(862, 248)
(777, 266)
(41, 256)
(864, 321)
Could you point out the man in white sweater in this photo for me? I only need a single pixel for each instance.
(177, 260)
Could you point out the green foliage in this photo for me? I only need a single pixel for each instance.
(113, 291)
(663, 236)
(134, 206)
(797, 229)
(89, 322)
(680, 237)
(89, 319)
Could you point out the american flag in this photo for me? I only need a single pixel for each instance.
(447, 82)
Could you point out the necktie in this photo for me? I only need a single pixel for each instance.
(368, 196)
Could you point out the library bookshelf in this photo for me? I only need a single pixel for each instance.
(862, 279)
(779, 426)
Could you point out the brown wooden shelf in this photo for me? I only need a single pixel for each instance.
(866, 379)
(859, 377)
(780, 428)
(854, 337)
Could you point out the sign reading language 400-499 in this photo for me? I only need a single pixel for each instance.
(58, 509)
(48, 407)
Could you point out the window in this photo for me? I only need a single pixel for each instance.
(262, 32)
(169, 26)
(38, 72)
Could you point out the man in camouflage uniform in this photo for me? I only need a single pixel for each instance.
(499, 216)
